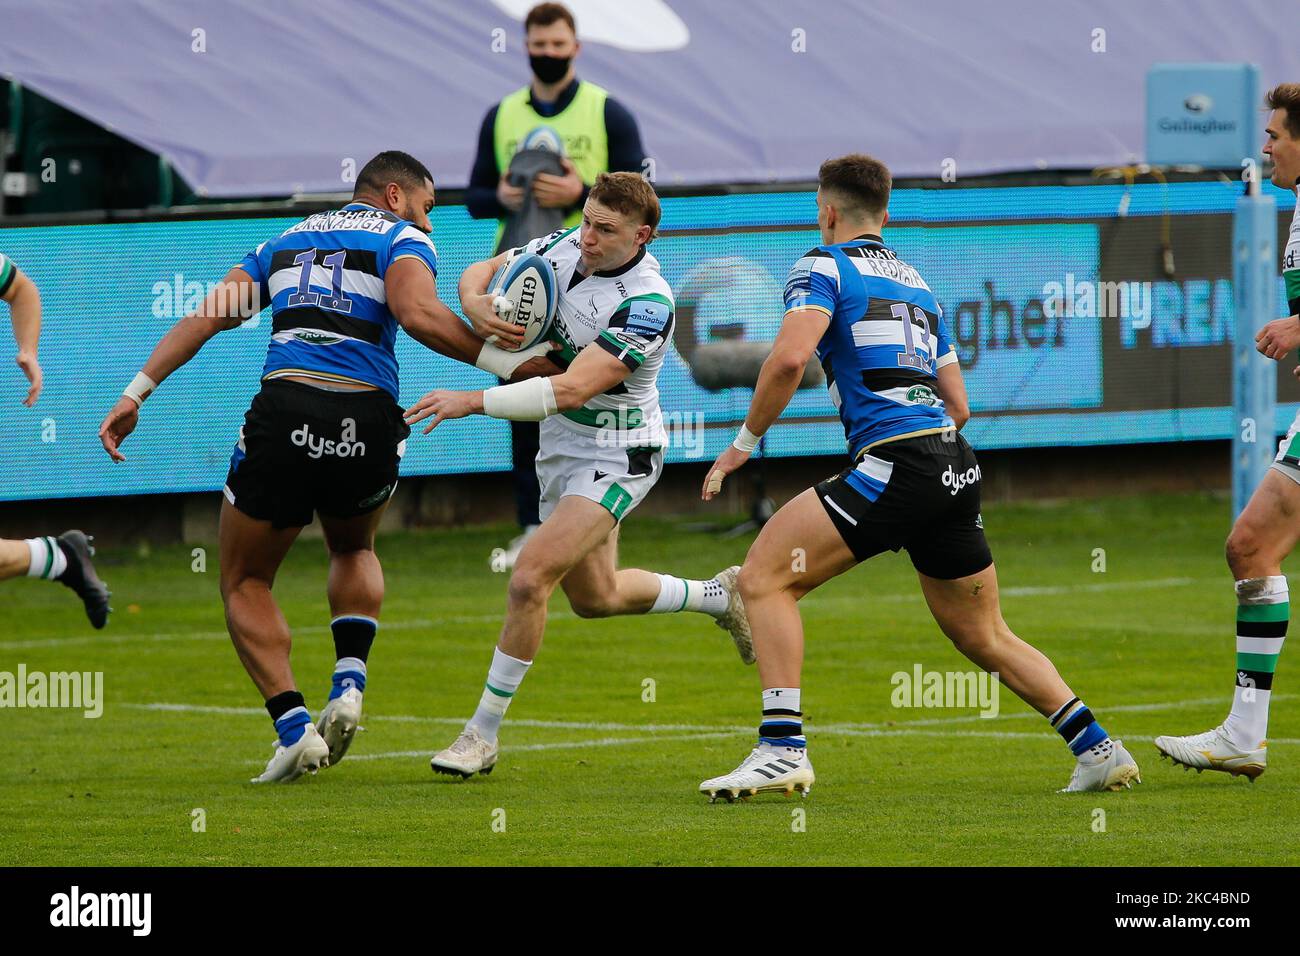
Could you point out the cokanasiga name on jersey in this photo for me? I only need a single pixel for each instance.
(886, 340)
(324, 280)
(628, 312)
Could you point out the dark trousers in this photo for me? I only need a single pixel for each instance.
(523, 448)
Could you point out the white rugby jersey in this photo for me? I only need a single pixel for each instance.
(8, 273)
(629, 313)
(1291, 263)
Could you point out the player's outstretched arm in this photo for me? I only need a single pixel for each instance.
(778, 379)
(592, 372)
(25, 312)
(237, 298)
(413, 299)
(952, 389)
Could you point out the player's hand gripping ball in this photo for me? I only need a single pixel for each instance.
(524, 293)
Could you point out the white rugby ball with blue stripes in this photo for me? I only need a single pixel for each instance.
(543, 137)
(528, 281)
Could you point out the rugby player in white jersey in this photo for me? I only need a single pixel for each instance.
(602, 444)
(65, 559)
(1268, 527)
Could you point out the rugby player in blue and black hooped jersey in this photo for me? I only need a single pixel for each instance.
(879, 333)
(325, 433)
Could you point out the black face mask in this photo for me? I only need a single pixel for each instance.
(548, 69)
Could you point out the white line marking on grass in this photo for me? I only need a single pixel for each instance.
(660, 732)
(112, 639)
(1027, 591)
(904, 597)
(625, 741)
(1103, 586)
(223, 636)
(905, 732)
(409, 718)
(559, 745)
(1026, 715)
(910, 728)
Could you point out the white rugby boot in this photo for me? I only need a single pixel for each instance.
(1107, 766)
(308, 755)
(468, 755)
(1214, 750)
(339, 722)
(766, 769)
(503, 559)
(734, 620)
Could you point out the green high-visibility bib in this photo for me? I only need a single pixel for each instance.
(580, 125)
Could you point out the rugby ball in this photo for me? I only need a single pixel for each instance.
(526, 295)
(543, 137)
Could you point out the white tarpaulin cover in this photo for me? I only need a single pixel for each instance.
(269, 97)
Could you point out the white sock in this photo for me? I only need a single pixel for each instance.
(504, 677)
(782, 719)
(48, 560)
(682, 594)
(1262, 611)
(785, 698)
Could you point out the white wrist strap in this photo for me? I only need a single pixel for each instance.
(528, 401)
(141, 387)
(502, 363)
(746, 440)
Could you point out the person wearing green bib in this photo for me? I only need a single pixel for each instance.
(595, 134)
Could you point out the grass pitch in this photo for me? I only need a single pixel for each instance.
(593, 773)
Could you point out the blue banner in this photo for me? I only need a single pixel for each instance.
(1067, 329)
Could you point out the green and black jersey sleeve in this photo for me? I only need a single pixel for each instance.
(8, 274)
(640, 327)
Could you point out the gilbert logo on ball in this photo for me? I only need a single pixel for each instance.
(526, 295)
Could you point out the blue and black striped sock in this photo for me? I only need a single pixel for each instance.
(289, 712)
(353, 636)
(782, 724)
(1076, 725)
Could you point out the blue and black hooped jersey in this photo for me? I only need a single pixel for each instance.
(885, 342)
(324, 280)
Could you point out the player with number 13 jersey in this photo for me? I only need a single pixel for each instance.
(913, 484)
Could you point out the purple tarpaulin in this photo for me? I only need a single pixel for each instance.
(270, 97)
